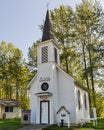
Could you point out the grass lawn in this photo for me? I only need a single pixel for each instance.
(100, 126)
(54, 127)
(14, 124)
(11, 124)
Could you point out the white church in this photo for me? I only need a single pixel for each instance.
(55, 96)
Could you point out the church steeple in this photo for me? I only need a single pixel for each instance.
(47, 34)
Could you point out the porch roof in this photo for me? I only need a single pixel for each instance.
(9, 102)
(43, 94)
(63, 107)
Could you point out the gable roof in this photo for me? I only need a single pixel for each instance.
(29, 85)
(9, 102)
(47, 33)
(63, 107)
(78, 84)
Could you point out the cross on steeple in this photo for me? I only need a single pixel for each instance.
(47, 33)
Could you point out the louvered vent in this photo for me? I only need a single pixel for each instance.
(45, 54)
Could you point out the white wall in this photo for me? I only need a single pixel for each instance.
(66, 93)
(61, 85)
(49, 70)
(55, 92)
(16, 112)
(44, 71)
(83, 113)
(33, 100)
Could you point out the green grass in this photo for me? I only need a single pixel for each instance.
(100, 126)
(14, 124)
(11, 124)
(54, 127)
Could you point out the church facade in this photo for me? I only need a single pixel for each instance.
(54, 94)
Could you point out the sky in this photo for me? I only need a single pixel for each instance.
(20, 20)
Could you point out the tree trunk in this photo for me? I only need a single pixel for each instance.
(17, 96)
(86, 73)
(92, 79)
(66, 61)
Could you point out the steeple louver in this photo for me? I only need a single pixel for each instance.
(47, 34)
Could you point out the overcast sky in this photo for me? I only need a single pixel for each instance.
(20, 20)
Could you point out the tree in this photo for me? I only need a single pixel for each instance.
(62, 21)
(88, 27)
(13, 73)
(32, 59)
(80, 36)
(100, 104)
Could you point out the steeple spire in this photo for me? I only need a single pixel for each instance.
(47, 34)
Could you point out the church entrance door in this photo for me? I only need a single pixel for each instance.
(44, 112)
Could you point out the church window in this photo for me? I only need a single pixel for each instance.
(44, 54)
(85, 102)
(79, 100)
(55, 54)
(44, 86)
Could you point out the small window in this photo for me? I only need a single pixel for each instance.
(6, 109)
(9, 109)
(85, 102)
(44, 56)
(55, 54)
(79, 100)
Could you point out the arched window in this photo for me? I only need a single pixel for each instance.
(55, 55)
(79, 100)
(85, 102)
(25, 117)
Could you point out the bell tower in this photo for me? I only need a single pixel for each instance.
(48, 51)
(47, 62)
